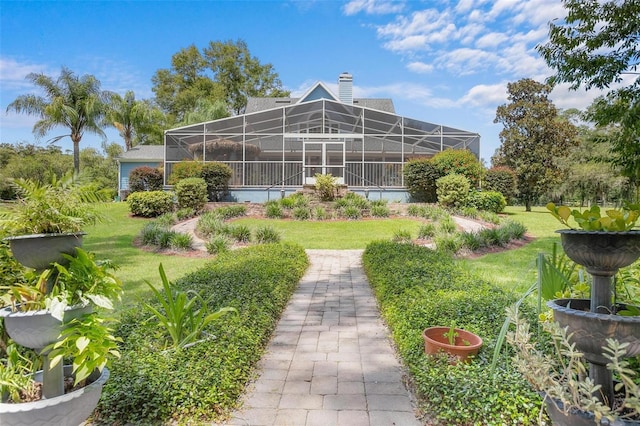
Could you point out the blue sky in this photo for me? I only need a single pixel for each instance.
(446, 62)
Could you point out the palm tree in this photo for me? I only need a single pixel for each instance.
(136, 121)
(76, 103)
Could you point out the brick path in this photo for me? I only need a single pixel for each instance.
(330, 361)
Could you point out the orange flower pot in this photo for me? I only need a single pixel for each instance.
(466, 343)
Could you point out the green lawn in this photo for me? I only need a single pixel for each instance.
(338, 235)
(516, 269)
(113, 239)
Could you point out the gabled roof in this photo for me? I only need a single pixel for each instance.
(143, 153)
(317, 91)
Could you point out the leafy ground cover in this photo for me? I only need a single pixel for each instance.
(418, 288)
(153, 384)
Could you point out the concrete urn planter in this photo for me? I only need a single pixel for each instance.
(70, 409)
(38, 251)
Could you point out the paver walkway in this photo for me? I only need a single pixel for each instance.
(330, 361)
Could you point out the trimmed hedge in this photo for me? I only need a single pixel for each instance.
(150, 203)
(202, 383)
(217, 176)
(491, 201)
(420, 177)
(452, 190)
(417, 288)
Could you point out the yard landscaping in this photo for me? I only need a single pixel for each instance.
(416, 287)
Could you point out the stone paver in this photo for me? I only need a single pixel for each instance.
(330, 361)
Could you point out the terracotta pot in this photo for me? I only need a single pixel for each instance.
(70, 409)
(38, 251)
(466, 344)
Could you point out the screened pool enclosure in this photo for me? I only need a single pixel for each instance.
(286, 146)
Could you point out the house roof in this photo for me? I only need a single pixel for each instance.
(143, 153)
(317, 91)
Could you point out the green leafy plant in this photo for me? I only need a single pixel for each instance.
(89, 341)
(615, 220)
(62, 206)
(182, 317)
(191, 193)
(326, 186)
(15, 376)
(266, 234)
(218, 244)
(560, 372)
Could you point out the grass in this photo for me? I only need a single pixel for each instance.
(515, 270)
(113, 239)
(338, 235)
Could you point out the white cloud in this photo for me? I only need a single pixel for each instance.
(13, 73)
(465, 61)
(485, 95)
(491, 40)
(420, 67)
(372, 7)
(419, 31)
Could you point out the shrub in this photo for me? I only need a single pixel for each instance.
(217, 176)
(218, 244)
(502, 180)
(379, 202)
(184, 170)
(420, 177)
(151, 203)
(428, 230)
(181, 241)
(203, 382)
(166, 220)
(489, 217)
(273, 211)
(356, 200)
(185, 213)
(471, 240)
(266, 234)
(458, 161)
(515, 230)
(452, 190)
(326, 186)
(240, 233)
(447, 225)
(449, 243)
(490, 201)
(209, 223)
(319, 213)
(352, 212)
(191, 193)
(380, 211)
(401, 236)
(229, 212)
(300, 200)
(288, 202)
(145, 178)
(417, 288)
(302, 213)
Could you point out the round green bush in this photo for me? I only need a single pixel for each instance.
(217, 176)
(458, 161)
(420, 177)
(183, 170)
(145, 178)
(150, 203)
(191, 194)
(501, 179)
(452, 190)
(491, 201)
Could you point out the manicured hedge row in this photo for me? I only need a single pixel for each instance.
(417, 288)
(150, 385)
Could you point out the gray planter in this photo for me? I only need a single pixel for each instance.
(70, 409)
(578, 417)
(38, 251)
(37, 329)
(591, 330)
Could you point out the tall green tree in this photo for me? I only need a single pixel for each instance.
(70, 101)
(205, 110)
(241, 74)
(533, 139)
(596, 46)
(222, 71)
(136, 120)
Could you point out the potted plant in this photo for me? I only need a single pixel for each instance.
(604, 244)
(47, 220)
(61, 321)
(459, 344)
(558, 374)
